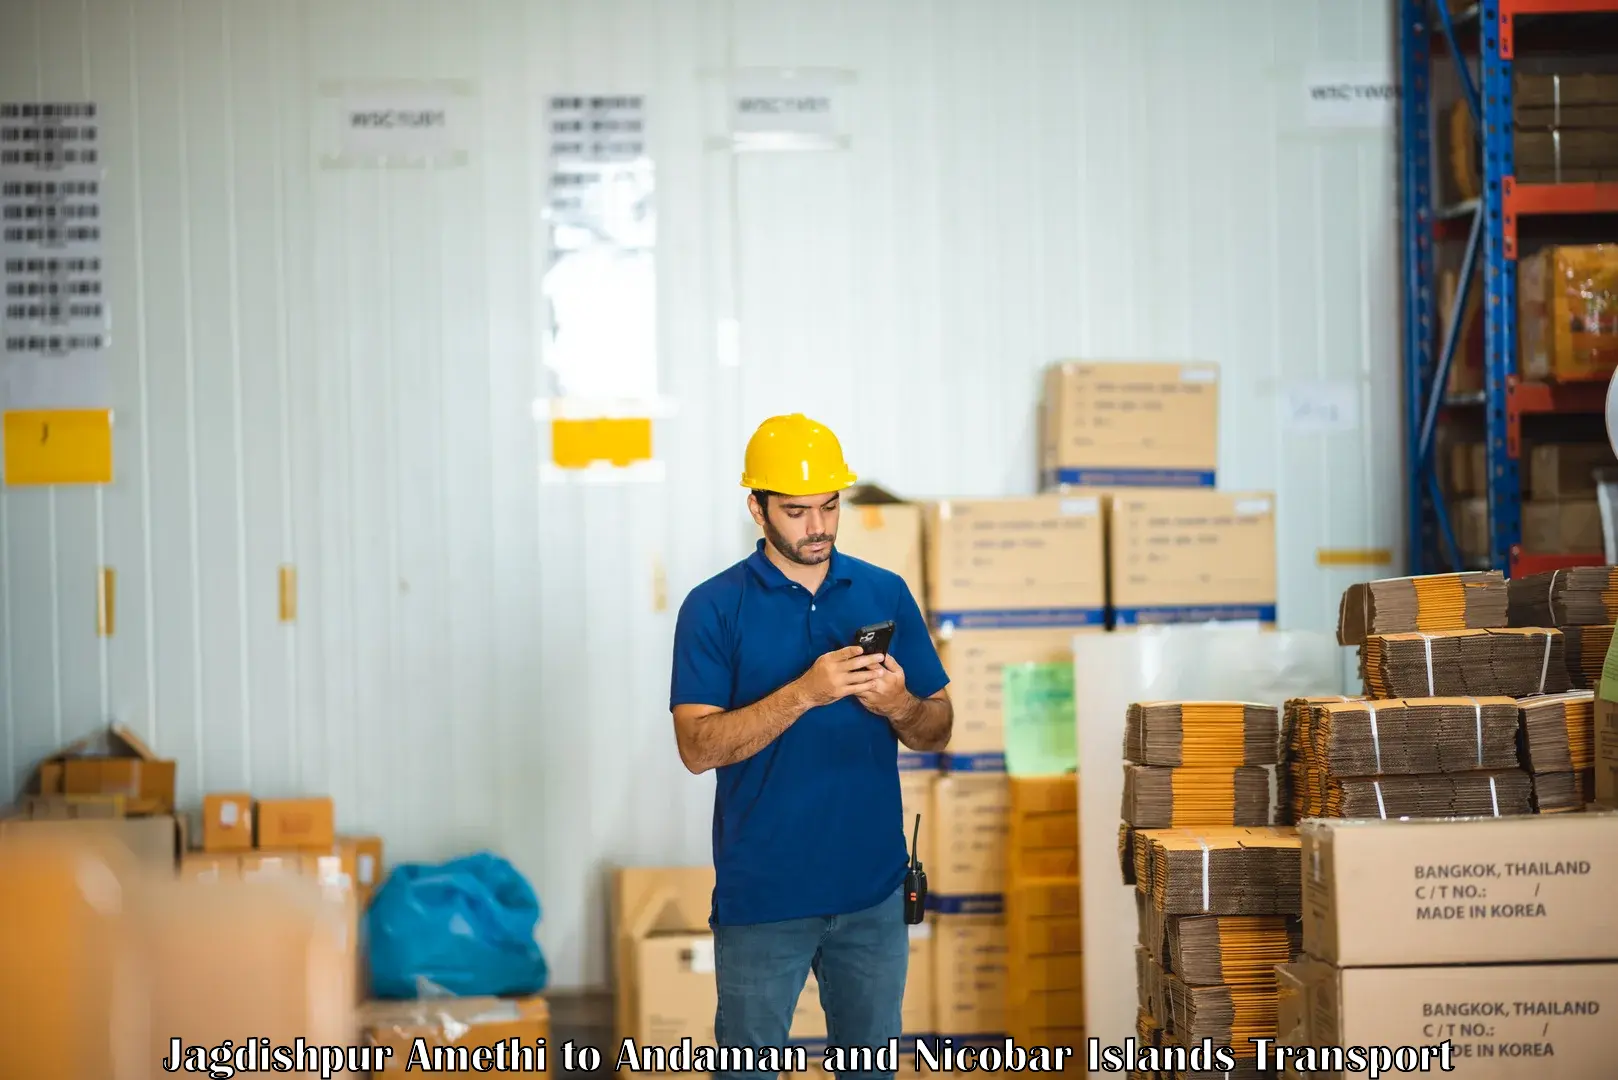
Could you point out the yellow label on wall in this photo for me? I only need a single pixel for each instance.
(58, 446)
(576, 444)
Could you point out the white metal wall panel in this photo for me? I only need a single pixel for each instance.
(335, 369)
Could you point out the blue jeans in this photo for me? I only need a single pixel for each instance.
(860, 961)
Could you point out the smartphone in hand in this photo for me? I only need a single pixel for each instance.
(874, 638)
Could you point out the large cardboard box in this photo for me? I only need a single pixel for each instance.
(155, 841)
(1565, 527)
(675, 992)
(969, 961)
(917, 774)
(1468, 891)
(1024, 562)
(1192, 555)
(1606, 750)
(971, 815)
(1565, 299)
(879, 527)
(975, 661)
(1566, 470)
(1517, 1022)
(646, 901)
(920, 1017)
(1125, 423)
(487, 1033)
(111, 761)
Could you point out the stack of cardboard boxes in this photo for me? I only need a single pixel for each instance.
(1496, 936)
(1044, 925)
(1560, 515)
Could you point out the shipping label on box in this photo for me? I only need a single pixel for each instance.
(1027, 562)
(1130, 424)
(1192, 556)
(970, 815)
(227, 822)
(1465, 891)
(1517, 1022)
(969, 963)
(975, 661)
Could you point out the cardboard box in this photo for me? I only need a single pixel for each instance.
(968, 872)
(917, 774)
(969, 988)
(1192, 556)
(1466, 891)
(204, 866)
(227, 822)
(975, 661)
(1025, 562)
(362, 862)
(113, 761)
(259, 865)
(1566, 470)
(919, 1016)
(676, 994)
(274, 958)
(1125, 424)
(1606, 751)
(1516, 1022)
(879, 527)
(1562, 528)
(302, 824)
(1468, 469)
(71, 807)
(489, 1029)
(153, 841)
(1470, 520)
(646, 901)
(1565, 299)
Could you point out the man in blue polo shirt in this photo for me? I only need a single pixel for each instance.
(809, 842)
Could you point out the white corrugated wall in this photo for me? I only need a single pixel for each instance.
(335, 370)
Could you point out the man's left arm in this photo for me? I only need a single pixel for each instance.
(910, 692)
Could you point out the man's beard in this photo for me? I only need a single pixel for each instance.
(779, 543)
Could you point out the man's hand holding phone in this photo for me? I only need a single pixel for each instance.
(839, 673)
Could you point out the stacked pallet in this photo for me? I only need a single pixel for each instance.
(1218, 888)
(1043, 925)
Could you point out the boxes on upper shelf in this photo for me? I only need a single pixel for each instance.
(1035, 561)
(1192, 555)
(1127, 423)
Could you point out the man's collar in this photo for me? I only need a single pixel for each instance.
(771, 575)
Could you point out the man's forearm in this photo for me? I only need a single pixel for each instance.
(926, 725)
(725, 738)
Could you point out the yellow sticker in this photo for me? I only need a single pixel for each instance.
(1353, 557)
(58, 446)
(576, 444)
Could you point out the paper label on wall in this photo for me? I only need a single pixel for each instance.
(54, 316)
(785, 109)
(400, 124)
(1321, 407)
(1360, 96)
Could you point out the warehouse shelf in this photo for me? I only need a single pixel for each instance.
(1535, 398)
(1489, 225)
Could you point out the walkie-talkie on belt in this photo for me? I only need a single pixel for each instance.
(915, 882)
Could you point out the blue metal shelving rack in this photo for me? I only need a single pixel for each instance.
(1431, 545)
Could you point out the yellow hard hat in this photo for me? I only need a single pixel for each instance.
(794, 455)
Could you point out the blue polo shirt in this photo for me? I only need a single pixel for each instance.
(812, 824)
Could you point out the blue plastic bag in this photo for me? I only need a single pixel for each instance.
(465, 926)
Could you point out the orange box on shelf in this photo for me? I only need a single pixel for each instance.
(1567, 297)
(307, 824)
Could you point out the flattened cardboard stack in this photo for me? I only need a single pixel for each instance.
(1218, 902)
(1515, 662)
(1290, 778)
(1558, 749)
(1426, 604)
(1578, 596)
(1586, 650)
(1423, 757)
